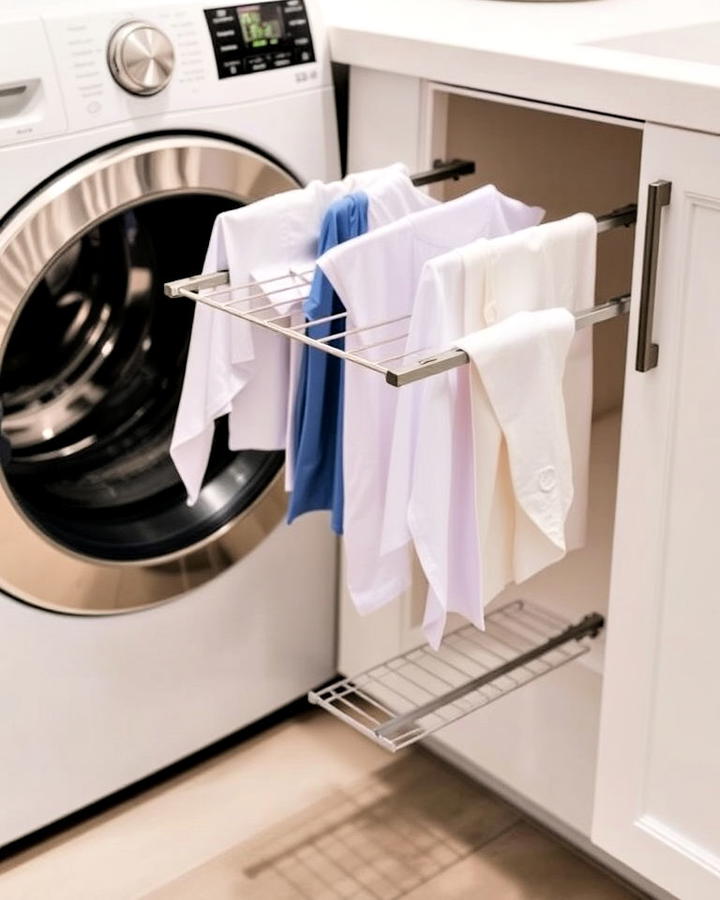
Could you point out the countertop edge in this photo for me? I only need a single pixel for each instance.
(575, 77)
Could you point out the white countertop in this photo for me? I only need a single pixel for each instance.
(660, 62)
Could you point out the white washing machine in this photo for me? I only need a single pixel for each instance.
(134, 629)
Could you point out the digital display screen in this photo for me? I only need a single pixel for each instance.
(261, 25)
(257, 37)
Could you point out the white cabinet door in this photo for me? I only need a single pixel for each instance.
(657, 805)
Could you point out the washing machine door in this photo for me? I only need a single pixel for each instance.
(93, 517)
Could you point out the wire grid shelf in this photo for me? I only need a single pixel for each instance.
(407, 698)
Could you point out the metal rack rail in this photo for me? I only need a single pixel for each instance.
(409, 697)
(417, 693)
(261, 303)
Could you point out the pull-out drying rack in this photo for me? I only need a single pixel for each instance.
(407, 698)
(413, 695)
(401, 366)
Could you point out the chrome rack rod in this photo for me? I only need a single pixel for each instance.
(442, 171)
(588, 626)
(217, 284)
(454, 357)
(618, 218)
(175, 289)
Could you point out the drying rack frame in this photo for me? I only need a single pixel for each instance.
(524, 641)
(405, 699)
(212, 289)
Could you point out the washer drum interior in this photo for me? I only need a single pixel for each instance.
(93, 515)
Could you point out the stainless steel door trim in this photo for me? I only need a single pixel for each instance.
(42, 574)
(116, 180)
(32, 567)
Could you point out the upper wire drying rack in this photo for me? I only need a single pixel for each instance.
(400, 366)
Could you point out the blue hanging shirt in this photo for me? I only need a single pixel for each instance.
(318, 417)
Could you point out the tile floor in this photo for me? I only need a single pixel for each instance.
(309, 810)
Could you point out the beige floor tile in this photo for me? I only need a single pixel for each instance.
(381, 837)
(312, 810)
(522, 864)
(152, 839)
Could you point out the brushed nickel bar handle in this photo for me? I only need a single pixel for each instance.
(647, 351)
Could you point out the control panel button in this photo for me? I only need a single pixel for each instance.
(256, 37)
(141, 58)
(279, 60)
(256, 64)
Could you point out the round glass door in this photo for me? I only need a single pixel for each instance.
(91, 369)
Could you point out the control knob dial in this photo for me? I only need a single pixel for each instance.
(141, 58)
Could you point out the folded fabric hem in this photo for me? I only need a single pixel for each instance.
(534, 570)
(392, 591)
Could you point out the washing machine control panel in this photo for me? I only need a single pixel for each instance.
(256, 37)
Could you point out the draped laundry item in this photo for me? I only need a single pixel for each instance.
(233, 368)
(377, 276)
(316, 445)
(318, 413)
(547, 266)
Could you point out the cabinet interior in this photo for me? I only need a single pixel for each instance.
(538, 745)
(566, 165)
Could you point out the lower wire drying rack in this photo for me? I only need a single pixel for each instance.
(419, 692)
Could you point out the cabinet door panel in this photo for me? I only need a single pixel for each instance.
(657, 805)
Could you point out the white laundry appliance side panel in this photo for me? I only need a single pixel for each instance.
(658, 783)
(118, 697)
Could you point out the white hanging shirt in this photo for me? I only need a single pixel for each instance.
(376, 277)
(550, 265)
(433, 416)
(248, 372)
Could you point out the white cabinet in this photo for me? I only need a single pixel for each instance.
(652, 754)
(657, 800)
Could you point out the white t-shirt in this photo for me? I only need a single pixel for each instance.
(549, 266)
(376, 277)
(248, 372)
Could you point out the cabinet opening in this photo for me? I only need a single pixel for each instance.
(565, 164)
